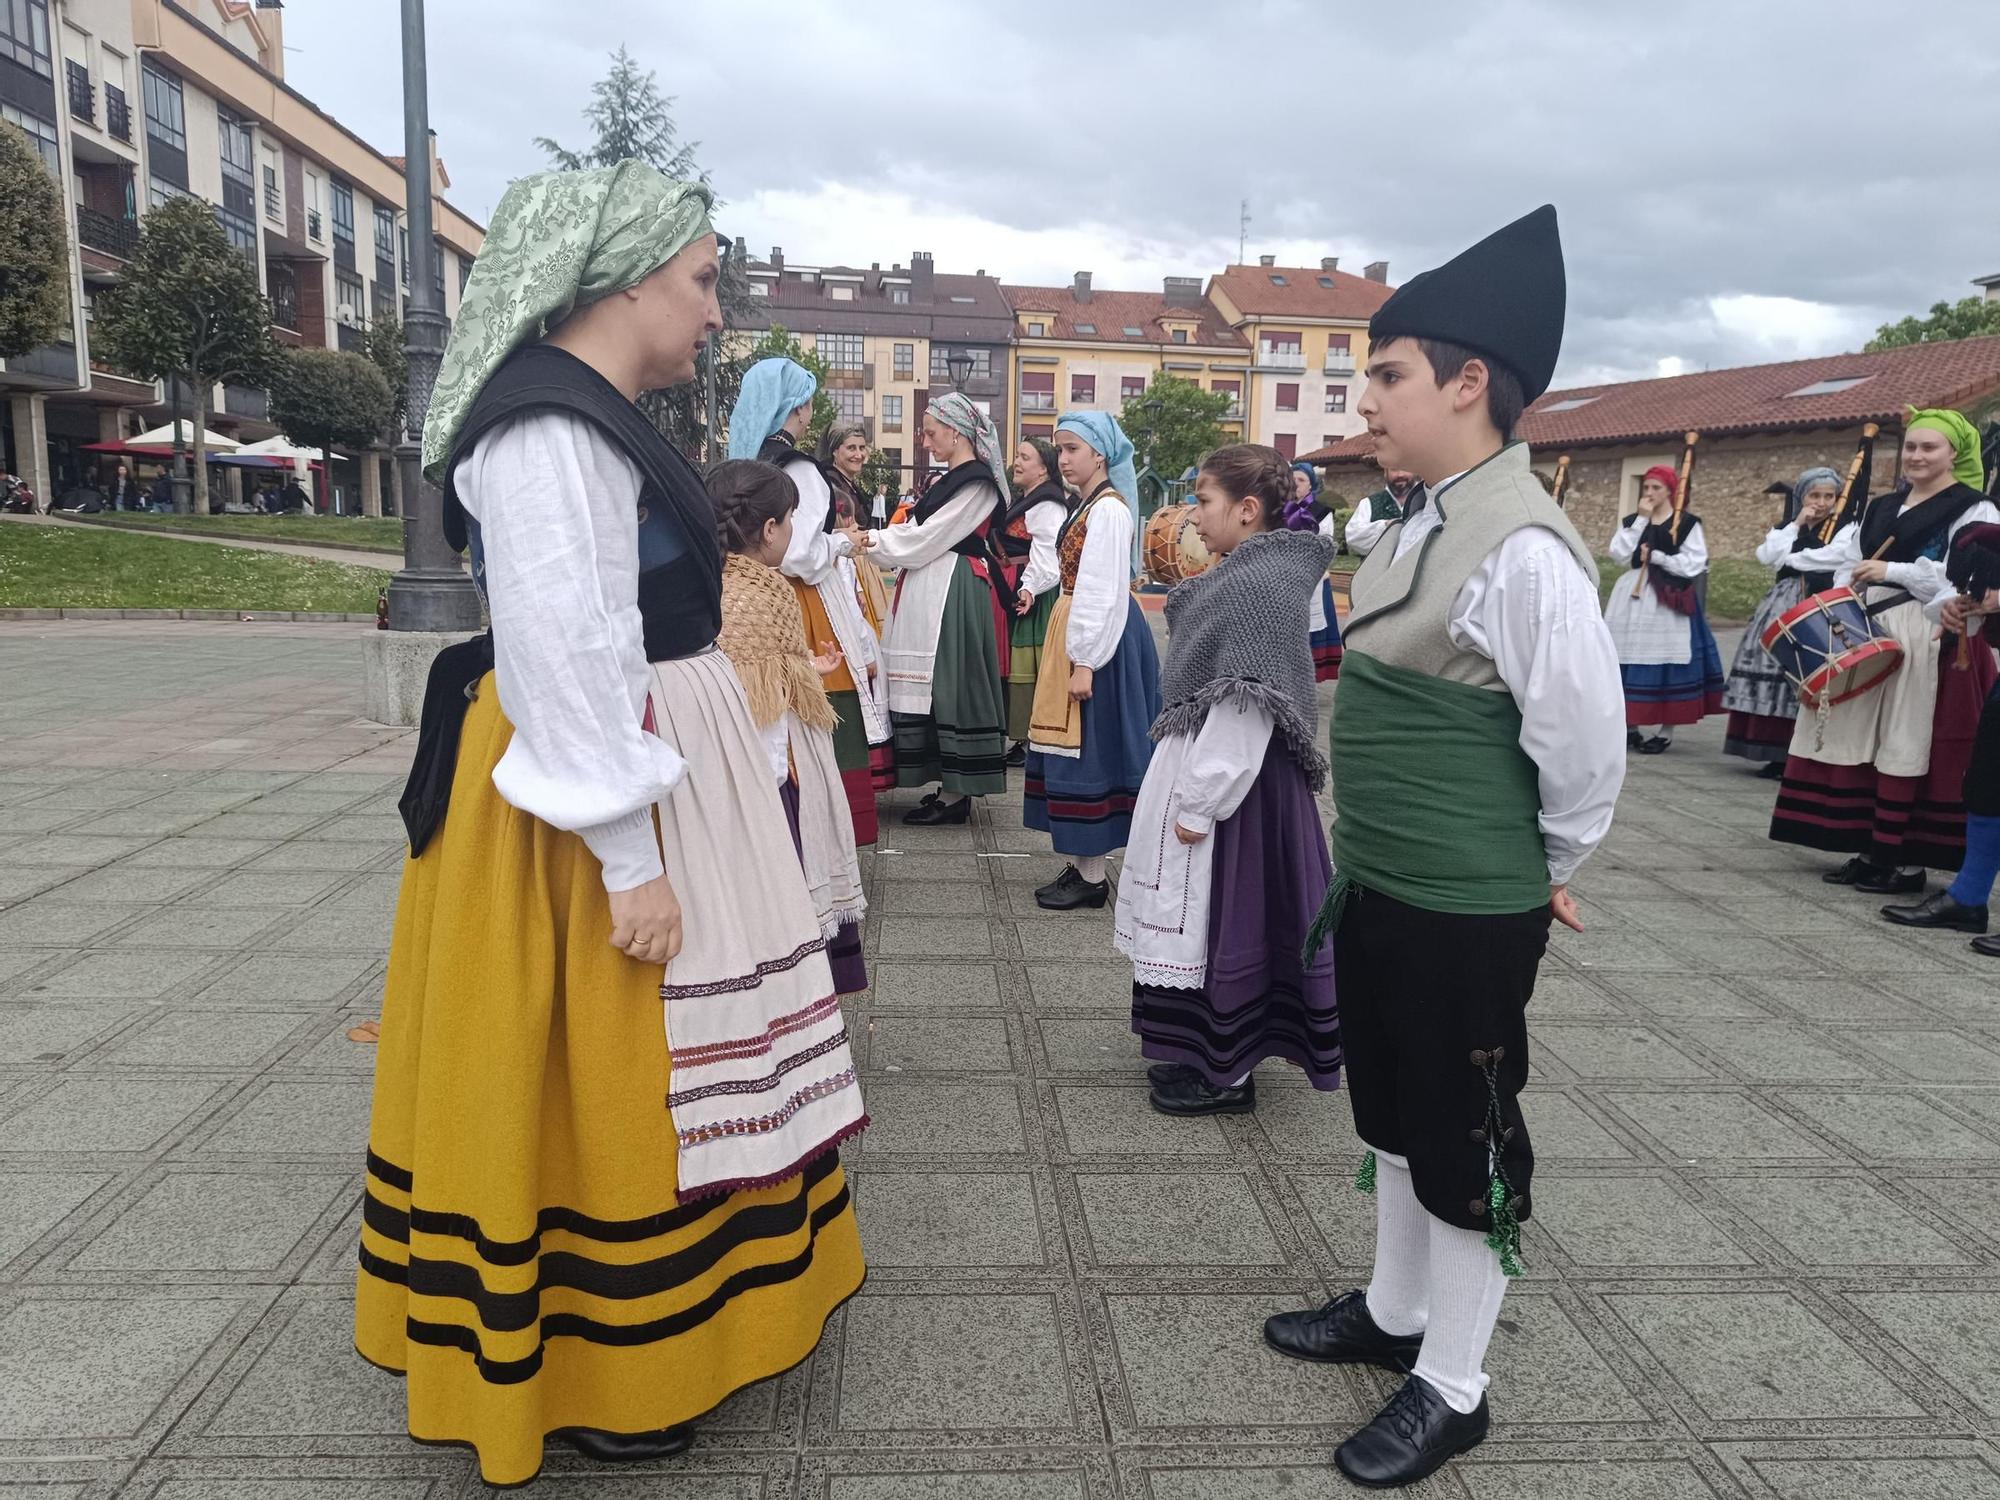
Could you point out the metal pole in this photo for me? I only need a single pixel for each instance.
(433, 591)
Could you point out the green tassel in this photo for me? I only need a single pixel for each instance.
(1328, 920)
(1364, 1180)
(1505, 1236)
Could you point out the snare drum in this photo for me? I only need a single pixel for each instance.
(1829, 648)
(1174, 549)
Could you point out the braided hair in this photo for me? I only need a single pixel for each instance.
(1251, 471)
(747, 494)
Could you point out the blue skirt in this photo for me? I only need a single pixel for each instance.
(1326, 643)
(1682, 693)
(1085, 804)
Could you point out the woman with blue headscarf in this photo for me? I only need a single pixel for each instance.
(1098, 690)
(946, 639)
(772, 412)
(1304, 514)
(1760, 700)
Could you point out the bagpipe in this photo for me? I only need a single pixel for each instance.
(1681, 595)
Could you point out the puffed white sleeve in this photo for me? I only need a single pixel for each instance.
(1222, 764)
(1776, 547)
(1097, 608)
(1362, 531)
(1837, 557)
(1044, 570)
(1925, 578)
(912, 544)
(1691, 561)
(1625, 540)
(813, 551)
(558, 506)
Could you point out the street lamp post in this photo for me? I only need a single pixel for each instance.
(432, 592)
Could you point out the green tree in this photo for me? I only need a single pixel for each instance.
(322, 398)
(385, 349)
(1173, 422)
(34, 248)
(1964, 319)
(629, 117)
(879, 476)
(779, 343)
(190, 309)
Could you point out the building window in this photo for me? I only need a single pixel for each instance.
(350, 298)
(1180, 335)
(895, 457)
(841, 351)
(1340, 343)
(274, 198)
(1282, 343)
(160, 191)
(900, 295)
(1277, 280)
(1288, 395)
(117, 113)
(892, 413)
(1083, 390)
(24, 35)
(840, 293)
(315, 206)
(982, 362)
(1086, 328)
(1038, 330)
(1038, 390)
(846, 405)
(1037, 430)
(905, 364)
(385, 241)
(41, 132)
(238, 209)
(1328, 439)
(82, 97)
(760, 289)
(1131, 387)
(1286, 443)
(1336, 399)
(166, 115)
(343, 212)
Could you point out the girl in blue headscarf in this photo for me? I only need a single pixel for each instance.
(1098, 690)
(946, 639)
(1303, 514)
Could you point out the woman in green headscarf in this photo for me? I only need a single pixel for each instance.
(603, 1192)
(1880, 777)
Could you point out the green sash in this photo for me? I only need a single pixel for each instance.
(1439, 805)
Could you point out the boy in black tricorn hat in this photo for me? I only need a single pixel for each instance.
(1481, 718)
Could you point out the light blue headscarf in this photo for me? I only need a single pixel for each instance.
(772, 390)
(1101, 430)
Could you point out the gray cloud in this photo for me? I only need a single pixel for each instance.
(1708, 158)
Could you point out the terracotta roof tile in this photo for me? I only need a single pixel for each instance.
(1113, 312)
(1251, 289)
(1752, 398)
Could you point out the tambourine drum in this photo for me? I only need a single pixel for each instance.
(1829, 648)
(1174, 549)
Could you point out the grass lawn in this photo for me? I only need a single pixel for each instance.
(367, 533)
(59, 567)
(1735, 584)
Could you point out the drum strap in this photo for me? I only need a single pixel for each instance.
(1887, 603)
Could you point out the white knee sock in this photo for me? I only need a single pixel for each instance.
(1399, 1292)
(1466, 1287)
(1090, 867)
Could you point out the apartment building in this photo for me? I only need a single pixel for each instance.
(1307, 331)
(1078, 347)
(133, 102)
(891, 339)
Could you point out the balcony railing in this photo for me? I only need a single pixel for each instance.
(117, 113)
(285, 304)
(1339, 364)
(1271, 358)
(102, 231)
(1233, 412)
(82, 97)
(1038, 401)
(313, 226)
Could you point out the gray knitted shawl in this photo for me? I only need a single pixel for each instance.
(1239, 633)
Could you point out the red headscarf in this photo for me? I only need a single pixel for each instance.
(1668, 476)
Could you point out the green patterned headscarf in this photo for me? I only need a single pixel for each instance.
(558, 241)
(1966, 466)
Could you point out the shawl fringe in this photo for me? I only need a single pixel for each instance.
(1187, 717)
(764, 637)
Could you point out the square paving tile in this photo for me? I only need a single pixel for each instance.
(1760, 1355)
(203, 1039)
(1700, 1125)
(119, 974)
(1616, 1049)
(201, 926)
(31, 1034)
(1933, 1056)
(1101, 986)
(947, 1119)
(944, 1220)
(1304, 1122)
(929, 1361)
(933, 984)
(1197, 1360)
(33, 1203)
(318, 1118)
(1778, 1052)
(938, 1044)
(1899, 1126)
(1957, 1334)
(1552, 1373)
(1878, 1478)
(308, 1381)
(278, 980)
(100, 1368)
(1090, 1044)
(958, 1484)
(1584, 1479)
(936, 937)
(47, 923)
(1176, 1219)
(221, 1222)
(1113, 1122)
(1837, 1221)
(1630, 1221)
(105, 1114)
(1973, 1202)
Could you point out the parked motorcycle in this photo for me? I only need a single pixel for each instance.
(15, 496)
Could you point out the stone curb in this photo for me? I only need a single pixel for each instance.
(301, 616)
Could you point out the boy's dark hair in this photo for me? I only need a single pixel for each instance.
(748, 492)
(1254, 472)
(1504, 399)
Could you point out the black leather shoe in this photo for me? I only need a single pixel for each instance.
(629, 1447)
(1939, 911)
(1773, 771)
(1893, 882)
(1857, 869)
(1195, 1095)
(1989, 946)
(1342, 1333)
(1017, 754)
(1414, 1435)
(935, 814)
(1168, 1072)
(1069, 891)
(1659, 744)
(1634, 739)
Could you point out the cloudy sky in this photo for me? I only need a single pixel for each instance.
(1737, 182)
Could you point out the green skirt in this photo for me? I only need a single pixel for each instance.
(961, 743)
(1027, 633)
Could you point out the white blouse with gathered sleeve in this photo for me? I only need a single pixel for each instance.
(558, 510)
(1098, 604)
(1044, 521)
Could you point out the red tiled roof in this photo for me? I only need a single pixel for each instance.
(1751, 398)
(1113, 312)
(1251, 289)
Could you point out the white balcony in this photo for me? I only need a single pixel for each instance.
(1038, 401)
(1283, 360)
(1339, 364)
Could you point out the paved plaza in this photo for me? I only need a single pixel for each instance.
(1764, 1261)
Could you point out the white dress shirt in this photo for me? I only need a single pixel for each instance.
(1044, 521)
(1099, 602)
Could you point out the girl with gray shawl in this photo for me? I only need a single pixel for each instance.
(1227, 858)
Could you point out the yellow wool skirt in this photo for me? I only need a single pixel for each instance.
(524, 1259)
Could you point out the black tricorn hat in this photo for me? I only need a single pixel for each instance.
(1502, 299)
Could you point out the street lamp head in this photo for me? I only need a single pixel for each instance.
(960, 364)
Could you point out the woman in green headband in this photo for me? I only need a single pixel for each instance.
(603, 1190)
(1880, 777)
